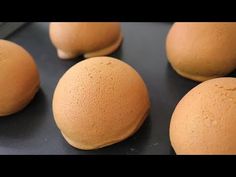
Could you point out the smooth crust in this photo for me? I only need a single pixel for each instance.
(99, 102)
(26, 99)
(110, 142)
(85, 38)
(202, 51)
(19, 78)
(106, 51)
(204, 120)
(195, 77)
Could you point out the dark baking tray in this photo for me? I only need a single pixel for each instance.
(33, 130)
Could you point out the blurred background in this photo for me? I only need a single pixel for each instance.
(6, 28)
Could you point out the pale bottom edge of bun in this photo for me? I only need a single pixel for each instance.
(25, 102)
(66, 55)
(90, 147)
(197, 78)
(207, 153)
(105, 51)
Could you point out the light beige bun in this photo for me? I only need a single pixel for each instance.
(202, 51)
(100, 101)
(204, 121)
(88, 38)
(19, 78)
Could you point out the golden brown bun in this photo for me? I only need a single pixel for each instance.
(100, 101)
(88, 38)
(202, 51)
(19, 78)
(204, 120)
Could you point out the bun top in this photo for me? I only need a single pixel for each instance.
(19, 77)
(84, 37)
(100, 101)
(202, 51)
(204, 120)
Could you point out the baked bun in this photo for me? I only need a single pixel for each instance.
(88, 38)
(19, 78)
(204, 120)
(202, 51)
(98, 102)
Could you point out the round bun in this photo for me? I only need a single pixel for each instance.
(98, 102)
(88, 38)
(204, 120)
(202, 51)
(19, 78)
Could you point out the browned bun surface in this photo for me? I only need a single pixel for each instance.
(202, 51)
(88, 38)
(100, 101)
(204, 120)
(19, 78)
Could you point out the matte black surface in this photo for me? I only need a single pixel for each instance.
(33, 130)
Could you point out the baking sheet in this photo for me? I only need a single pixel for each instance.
(6, 28)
